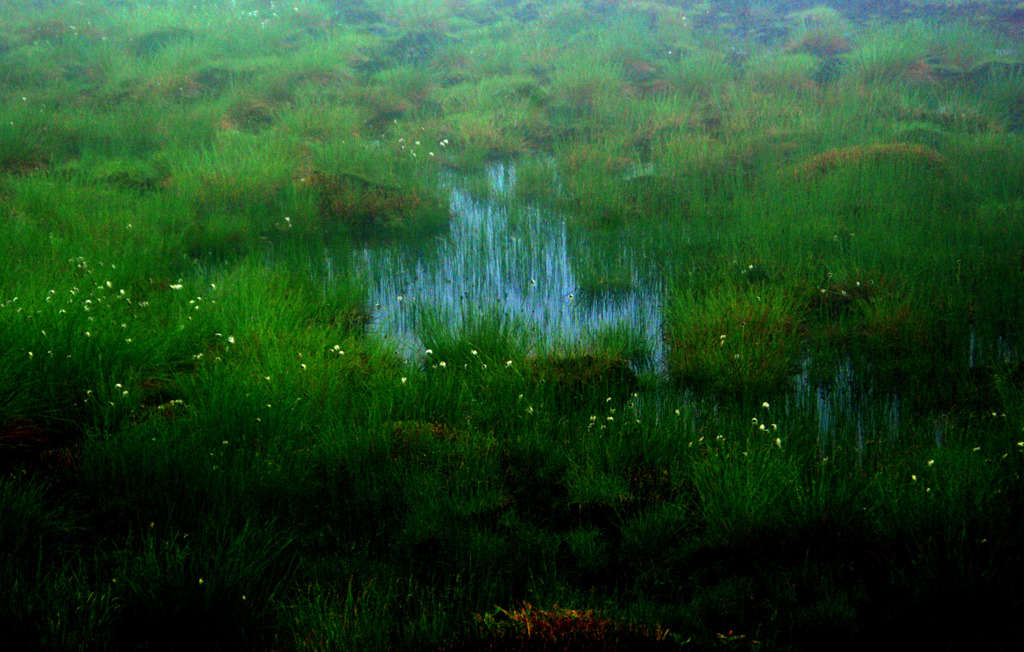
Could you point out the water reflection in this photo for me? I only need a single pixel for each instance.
(521, 268)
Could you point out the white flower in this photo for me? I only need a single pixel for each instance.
(765, 405)
(442, 364)
(778, 442)
(508, 363)
(176, 286)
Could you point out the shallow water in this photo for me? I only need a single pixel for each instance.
(522, 268)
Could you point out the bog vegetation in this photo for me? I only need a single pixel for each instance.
(502, 325)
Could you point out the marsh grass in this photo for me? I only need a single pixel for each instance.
(210, 436)
(735, 340)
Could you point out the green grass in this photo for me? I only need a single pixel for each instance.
(207, 439)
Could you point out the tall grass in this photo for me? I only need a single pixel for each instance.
(758, 380)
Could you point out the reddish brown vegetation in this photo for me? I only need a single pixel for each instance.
(560, 629)
(820, 44)
(834, 159)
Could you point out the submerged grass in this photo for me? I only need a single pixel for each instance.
(209, 437)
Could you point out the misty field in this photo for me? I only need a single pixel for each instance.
(496, 325)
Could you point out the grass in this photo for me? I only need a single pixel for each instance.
(734, 364)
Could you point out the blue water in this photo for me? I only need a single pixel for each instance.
(519, 267)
